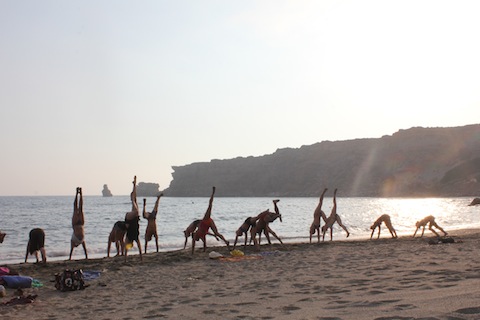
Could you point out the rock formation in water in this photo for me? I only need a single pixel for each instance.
(413, 162)
(106, 192)
(147, 189)
(475, 201)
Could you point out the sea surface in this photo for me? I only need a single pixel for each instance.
(18, 215)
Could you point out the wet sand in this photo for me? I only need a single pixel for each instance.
(401, 278)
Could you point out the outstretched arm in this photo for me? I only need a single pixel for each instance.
(416, 231)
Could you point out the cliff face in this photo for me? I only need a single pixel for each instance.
(147, 189)
(414, 162)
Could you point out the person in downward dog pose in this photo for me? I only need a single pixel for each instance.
(243, 230)
(117, 236)
(36, 242)
(132, 219)
(204, 225)
(430, 220)
(317, 214)
(78, 221)
(377, 224)
(332, 218)
(152, 222)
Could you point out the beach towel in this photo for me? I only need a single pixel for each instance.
(17, 282)
(36, 283)
(4, 271)
(239, 258)
(89, 275)
(21, 300)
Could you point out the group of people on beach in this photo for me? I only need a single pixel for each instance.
(126, 232)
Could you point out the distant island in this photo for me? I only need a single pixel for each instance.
(147, 189)
(106, 192)
(415, 162)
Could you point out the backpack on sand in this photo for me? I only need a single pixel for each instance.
(69, 280)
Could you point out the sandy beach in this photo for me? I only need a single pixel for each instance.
(401, 278)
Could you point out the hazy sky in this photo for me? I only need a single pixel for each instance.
(94, 92)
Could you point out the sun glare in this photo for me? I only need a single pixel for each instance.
(409, 211)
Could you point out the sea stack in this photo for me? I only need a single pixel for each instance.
(106, 192)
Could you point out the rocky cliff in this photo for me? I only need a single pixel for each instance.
(147, 189)
(413, 162)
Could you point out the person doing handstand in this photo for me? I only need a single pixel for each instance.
(36, 242)
(332, 218)
(317, 214)
(377, 224)
(430, 220)
(78, 221)
(132, 219)
(152, 222)
(206, 224)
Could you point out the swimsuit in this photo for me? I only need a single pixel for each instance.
(76, 240)
(120, 225)
(203, 227)
(133, 229)
(244, 230)
(152, 215)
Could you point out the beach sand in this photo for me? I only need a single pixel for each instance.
(401, 278)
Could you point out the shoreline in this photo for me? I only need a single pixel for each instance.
(339, 236)
(348, 279)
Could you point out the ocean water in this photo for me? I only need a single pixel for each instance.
(18, 215)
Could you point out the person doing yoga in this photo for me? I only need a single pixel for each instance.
(206, 224)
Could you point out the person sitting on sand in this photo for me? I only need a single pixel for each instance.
(152, 222)
(78, 221)
(36, 242)
(132, 219)
(377, 224)
(332, 218)
(2, 236)
(430, 220)
(117, 236)
(317, 214)
(205, 224)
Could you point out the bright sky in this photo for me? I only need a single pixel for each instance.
(94, 92)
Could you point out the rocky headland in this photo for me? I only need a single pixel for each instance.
(414, 162)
